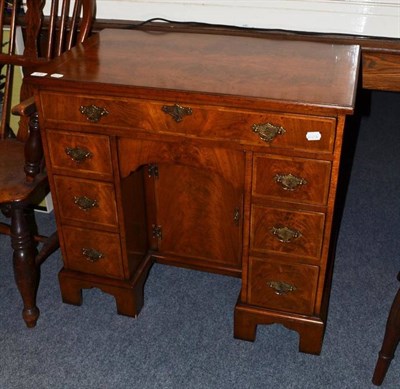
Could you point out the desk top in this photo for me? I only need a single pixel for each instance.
(319, 76)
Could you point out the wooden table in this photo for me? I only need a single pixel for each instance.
(211, 152)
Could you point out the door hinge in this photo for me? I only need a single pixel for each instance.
(152, 170)
(157, 232)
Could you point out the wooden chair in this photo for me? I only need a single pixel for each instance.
(390, 341)
(22, 175)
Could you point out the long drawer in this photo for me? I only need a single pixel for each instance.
(309, 133)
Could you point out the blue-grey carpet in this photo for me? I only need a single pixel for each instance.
(183, 336)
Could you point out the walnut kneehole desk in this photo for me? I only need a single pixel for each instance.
(211, 152)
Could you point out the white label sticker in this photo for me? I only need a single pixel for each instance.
(38, 74)
(57, 75)
(313, 135)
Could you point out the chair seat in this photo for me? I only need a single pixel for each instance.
(13, 184)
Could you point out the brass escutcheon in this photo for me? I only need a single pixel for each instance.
(78, 154)
(281, 288)
(285, 234)
(236, 216)
(92, 255)
(267, 131)
(157, 232)
(92, 112)
(85, 203)
(289, 181)
(176, 111)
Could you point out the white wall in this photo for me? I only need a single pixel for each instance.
(359, 17)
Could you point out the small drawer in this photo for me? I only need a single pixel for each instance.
(80, 153)
(291, 179)
(92, 252)
(86, 201)
(270, 129)
(282, 286)
(298, 234)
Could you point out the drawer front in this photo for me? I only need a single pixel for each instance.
(92, 252)
(281, 286)
(279, 231)
(291, 179)
(308, 133)
(80, 153)
(86, 201)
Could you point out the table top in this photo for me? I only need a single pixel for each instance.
(255, 70)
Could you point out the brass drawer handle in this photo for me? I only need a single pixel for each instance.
(85, 203)
(92, 255)
(78, 154)
(92, 112)
(281, 288)
(267, 131)
(289, 181)
(285, 234)
(176, 111)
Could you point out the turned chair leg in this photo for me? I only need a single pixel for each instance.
(390, 341)
(26, 272)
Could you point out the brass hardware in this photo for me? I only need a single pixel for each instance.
(289, 181)
(78, 154)
(267, 131)
(176, 111)
(157, 232)
(92, 255)
(236, 216)
(85, 203)
(281, 288)
(92, 112)
(152, 170)
(285, 234)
